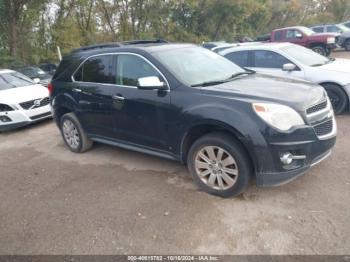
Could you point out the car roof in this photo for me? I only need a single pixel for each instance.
(324, 25)
(267, 46)
(149, 48)
(290, 27)
(4, 71)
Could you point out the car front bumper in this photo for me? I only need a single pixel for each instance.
(315, 152)
(19, 118)
(302, 144)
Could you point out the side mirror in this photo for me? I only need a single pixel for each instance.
(299, 35)
(150, 82)
(288, 67)
(36, 80)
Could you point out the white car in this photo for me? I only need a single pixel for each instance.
(294, 61)
(21, 101)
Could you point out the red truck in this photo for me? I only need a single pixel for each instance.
(321, 43)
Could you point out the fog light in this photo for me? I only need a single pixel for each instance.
(286, 158)
(5, 119)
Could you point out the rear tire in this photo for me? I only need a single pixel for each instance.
(338, 97)
(347, 45)
(219, 165)
(320, 50)
(73, 134)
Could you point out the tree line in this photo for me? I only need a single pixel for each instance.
(31, 30)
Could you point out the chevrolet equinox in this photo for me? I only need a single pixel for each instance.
(231, 126)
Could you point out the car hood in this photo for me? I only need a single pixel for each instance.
(298, 94)
(339, 65)
(23, 94)
(345, 34)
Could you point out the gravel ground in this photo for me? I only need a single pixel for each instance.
(113, 201)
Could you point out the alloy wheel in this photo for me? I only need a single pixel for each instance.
(216, 167)
(71, 134)
(335, 100)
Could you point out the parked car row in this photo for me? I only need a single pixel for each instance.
(229, 124)
(343, 39)
(320, 38)
(293, 61)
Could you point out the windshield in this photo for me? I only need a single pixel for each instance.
(307, 31)
(343, 27)
(305, 55)
(13, 80)
(196, 65)
(32, 72)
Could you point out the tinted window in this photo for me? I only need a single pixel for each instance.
(278, 35)
(96, 70)
(268, 59)
(318, 29)
(239, 58)
(332, 29)
(130, 68)
(78, 76)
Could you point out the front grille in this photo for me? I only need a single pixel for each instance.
(324, 128)
(41, 116)
(317, 107)
(33, 104)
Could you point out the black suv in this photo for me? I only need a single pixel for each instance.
(179, 101)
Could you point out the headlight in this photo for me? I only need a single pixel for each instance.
(5, 108)
(330, 40)
(279, 116)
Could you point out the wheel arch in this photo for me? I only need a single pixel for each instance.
(61, 105)
(210, 126)
(342, 88)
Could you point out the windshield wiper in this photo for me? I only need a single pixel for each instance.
(217, 82)
(327, 62)
(248, 72)
(210, 83)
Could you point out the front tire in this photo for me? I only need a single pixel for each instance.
(320, 50)
(219, 165)
(73, 134)
(347, 45)
(338, 97)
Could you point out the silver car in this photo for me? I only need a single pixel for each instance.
(343, 40)
(294, 61)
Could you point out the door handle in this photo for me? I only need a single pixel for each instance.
(76, 90)
(118, 97)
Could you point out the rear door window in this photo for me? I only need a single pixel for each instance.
(318, 29)
(96, 70)
(240, 58)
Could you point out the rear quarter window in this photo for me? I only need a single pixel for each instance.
(278, 35)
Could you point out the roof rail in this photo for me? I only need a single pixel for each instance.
(118, 44)
(97, 46)
(136, 42)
